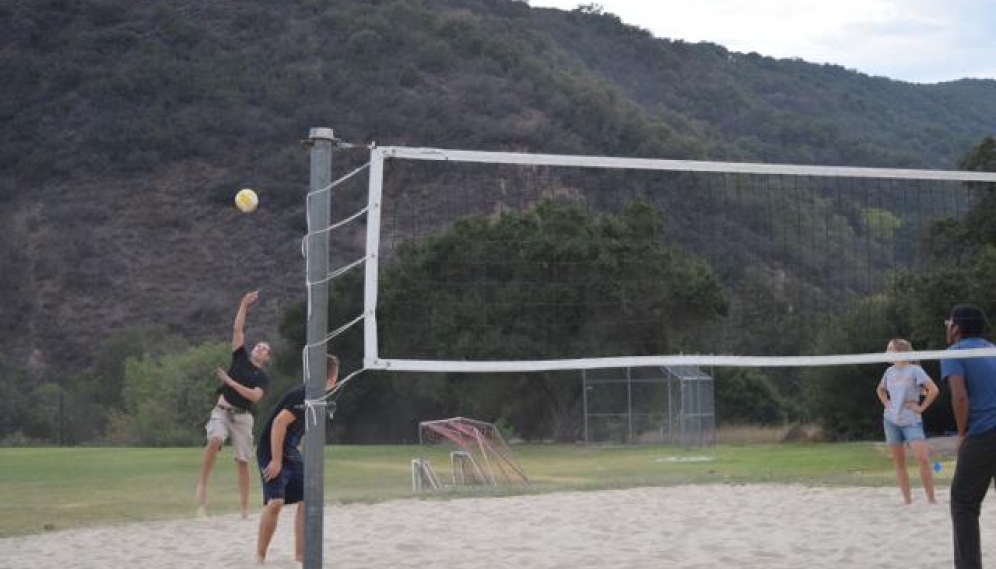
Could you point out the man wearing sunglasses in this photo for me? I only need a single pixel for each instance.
(973, 398)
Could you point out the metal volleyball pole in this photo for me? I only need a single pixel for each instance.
(318, 214)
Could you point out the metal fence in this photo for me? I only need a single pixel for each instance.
(671, 405)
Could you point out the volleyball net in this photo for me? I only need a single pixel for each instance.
(494, 261)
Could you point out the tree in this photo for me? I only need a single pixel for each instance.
(489, 288)
(843, 397)
(961, 256)
(107, 372)
(982, 158)
(167, 399)
(748, 396)
(960, 267)
(979, 227)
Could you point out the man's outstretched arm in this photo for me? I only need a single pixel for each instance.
(278, 433)
(238, 327)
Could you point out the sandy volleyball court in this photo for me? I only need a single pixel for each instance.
(747, 526)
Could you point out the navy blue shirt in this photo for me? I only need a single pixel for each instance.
(980, 383)
(293, 401)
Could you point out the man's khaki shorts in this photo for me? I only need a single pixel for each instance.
(226, 424)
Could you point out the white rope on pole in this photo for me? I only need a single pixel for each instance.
(337, 225)
(329, 187)
(340, 271)
(312, 405)
(321, 343)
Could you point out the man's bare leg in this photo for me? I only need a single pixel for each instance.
(242, 474)
(299, 533)
(207, 463)
(267, 525)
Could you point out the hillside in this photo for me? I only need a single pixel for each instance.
(128, 126)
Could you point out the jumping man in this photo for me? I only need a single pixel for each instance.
(242, 385)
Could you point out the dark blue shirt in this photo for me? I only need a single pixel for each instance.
(980, 383)
(293, 401)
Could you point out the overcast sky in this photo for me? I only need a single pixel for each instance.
(922, 41)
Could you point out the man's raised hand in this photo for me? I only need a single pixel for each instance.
(250, 298)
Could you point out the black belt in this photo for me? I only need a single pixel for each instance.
(236, 410)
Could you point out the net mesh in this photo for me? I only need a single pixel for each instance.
(532, 262)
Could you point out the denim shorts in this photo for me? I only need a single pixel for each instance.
(288, 486)
(899, 434)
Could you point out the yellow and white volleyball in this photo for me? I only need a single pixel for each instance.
(246, 200)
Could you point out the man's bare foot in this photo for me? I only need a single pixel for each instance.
(202, 513)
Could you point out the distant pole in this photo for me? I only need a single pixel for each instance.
(629, 404)
(319, 214)
(61, 416)
(584, 400)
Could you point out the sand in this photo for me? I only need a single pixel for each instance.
(746, 526)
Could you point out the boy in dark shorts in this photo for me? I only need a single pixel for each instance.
(281, 464)
(231, 418)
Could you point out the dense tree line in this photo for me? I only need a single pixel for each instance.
(961, 268)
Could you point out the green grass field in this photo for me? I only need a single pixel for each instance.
(47, 489)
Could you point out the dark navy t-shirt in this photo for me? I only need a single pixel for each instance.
(245, 372)
(293, 401)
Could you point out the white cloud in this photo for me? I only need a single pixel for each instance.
(910, 40)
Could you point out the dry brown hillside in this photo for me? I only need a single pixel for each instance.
(105, 255)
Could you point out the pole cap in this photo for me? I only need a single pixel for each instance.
(321, 133)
